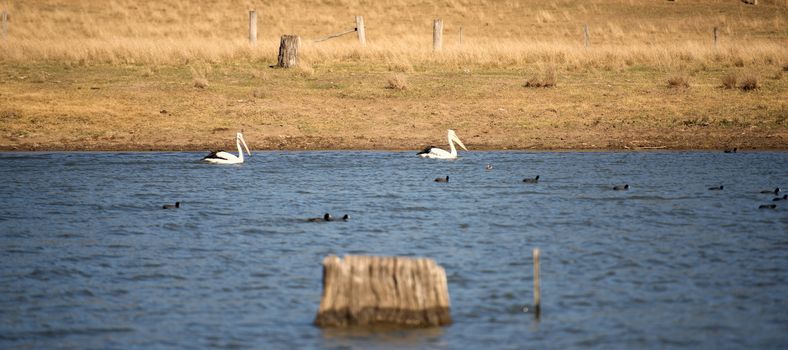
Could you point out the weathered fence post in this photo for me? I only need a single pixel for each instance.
(288, 51)
(4, 19)
(715, 37)
(253, 27)
(362, 36)
(460, 36)
(369, 290)
(585, 35)
(437, 35)
(537, 290)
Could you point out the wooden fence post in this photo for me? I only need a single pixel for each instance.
(585, 35)
(460, 36)
(288, 51)
(362, 36)
(4, 19)
(437, 35)
(537, 290)
(253, 27)
(715, 37)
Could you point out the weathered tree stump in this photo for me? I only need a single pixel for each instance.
(288, 51)
(367, 290)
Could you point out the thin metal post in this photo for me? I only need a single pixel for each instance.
(537, 290)
(585, 35)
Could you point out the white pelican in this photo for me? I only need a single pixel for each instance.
(222, 157)
(437, 153)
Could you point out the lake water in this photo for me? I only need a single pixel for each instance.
(91, 261)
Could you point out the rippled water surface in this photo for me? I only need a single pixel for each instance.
(91, 261)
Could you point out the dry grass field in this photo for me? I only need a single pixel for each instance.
(181, 75)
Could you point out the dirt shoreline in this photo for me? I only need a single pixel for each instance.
(316, 143)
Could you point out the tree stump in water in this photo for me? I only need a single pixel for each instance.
(367, 290)
(288, 51)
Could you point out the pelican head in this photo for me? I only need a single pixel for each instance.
(240, 137)
(453, 137)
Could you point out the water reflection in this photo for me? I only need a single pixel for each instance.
(382, 337)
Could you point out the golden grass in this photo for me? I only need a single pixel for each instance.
(729, 81)
(398, 82)
(96, 74)
(547, 79)
(749, 81)
(678, 81)
(495, 34)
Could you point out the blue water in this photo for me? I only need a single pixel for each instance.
(91, 261)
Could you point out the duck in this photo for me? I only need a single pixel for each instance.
(171, 206)
(531, 181)
(345, 217)
(621, 187)
(488, 167)
(767, 206)
(717, 188)
(442, 179)
(326, 217)
(783, 198)
(728, 150)
(775, 191)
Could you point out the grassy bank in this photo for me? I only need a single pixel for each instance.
(171, 76)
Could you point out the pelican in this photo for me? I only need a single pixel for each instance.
(437, 153)
(222, 157)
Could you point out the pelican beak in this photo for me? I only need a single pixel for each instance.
(241, 136)
(457, 140)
